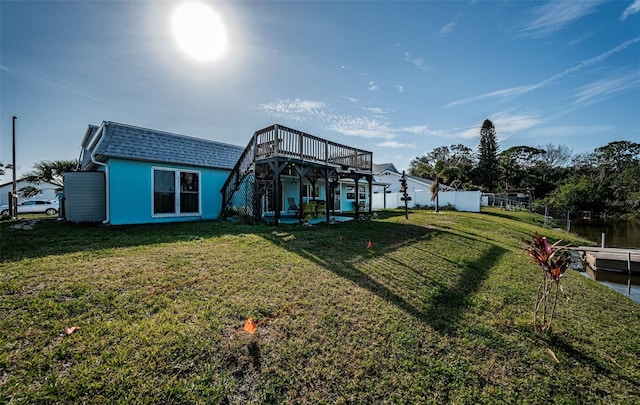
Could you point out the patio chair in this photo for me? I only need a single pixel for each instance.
(292, 205)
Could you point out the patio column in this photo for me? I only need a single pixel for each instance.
(370, 180)
(302, 172)
(277, 168)
(357, 180)
(326, 174)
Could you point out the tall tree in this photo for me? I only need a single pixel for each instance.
(421, 166)
(464, 158)
(516, 164)
(488, 169)
(555, 155)
(47, 171)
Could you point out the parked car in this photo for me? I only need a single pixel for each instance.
(34, 206)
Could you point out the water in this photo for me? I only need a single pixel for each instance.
(619, 234)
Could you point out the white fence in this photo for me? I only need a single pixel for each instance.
(461, 200)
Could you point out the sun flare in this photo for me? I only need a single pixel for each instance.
(199, 32)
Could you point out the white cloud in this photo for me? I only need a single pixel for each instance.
(506, 123)
(370, 127)
(375, 110)
(352, 99)
(373, 86)
(606, 87)
(364, 127)
(400, 89)
(570, 131)
(555, 15)
(416, 129)
(394, 144)
(294, 110)
(449, 27)
(632, 9)
(6, 69)
(513, 92)
(416, 61)
(508, 93)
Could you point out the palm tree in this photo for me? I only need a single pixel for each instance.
(444, 172)
(47, 171)
(4, 168)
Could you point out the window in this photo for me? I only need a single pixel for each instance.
(311, 191)
(175, 192)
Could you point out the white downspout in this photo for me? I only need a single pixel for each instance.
(100, 133)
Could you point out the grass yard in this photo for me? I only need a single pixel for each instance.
(438, 310)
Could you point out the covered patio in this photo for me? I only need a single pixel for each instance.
(287, 174)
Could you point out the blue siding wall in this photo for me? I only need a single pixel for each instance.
(130, 193)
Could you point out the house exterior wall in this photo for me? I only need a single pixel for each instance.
(131, 192)
(84, 196)
(347, 195)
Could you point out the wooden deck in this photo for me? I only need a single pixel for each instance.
(611, 264)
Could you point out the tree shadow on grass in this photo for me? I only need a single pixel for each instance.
(442, 308)
(562, 344)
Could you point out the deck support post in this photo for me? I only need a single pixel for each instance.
(327, 172)
(302, 173)
(370, 181)
(277, 168)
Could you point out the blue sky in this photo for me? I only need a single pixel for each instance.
(395, 78)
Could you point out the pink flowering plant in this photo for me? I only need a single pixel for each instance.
(554, 261)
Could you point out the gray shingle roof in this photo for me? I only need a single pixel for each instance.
(378, 168)
(135, 143)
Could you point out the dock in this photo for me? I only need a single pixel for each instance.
(611, 264)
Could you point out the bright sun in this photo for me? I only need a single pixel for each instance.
(199, 31)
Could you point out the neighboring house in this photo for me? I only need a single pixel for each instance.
(419, 190)
(132, 175)
(48, 191)
(387, 173)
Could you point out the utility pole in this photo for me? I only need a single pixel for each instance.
(14, 195)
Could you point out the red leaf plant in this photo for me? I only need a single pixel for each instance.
(554, 261)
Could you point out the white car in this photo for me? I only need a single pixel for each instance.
(34, 206)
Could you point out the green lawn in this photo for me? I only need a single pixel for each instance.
(438, 310)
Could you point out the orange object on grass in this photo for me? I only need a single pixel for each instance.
(369, 245)
(250, 326)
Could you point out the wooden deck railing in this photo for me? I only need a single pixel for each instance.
(280, 141)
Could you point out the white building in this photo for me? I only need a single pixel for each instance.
(48, 191)
(387, 173)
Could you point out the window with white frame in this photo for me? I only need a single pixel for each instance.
(175, 192)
